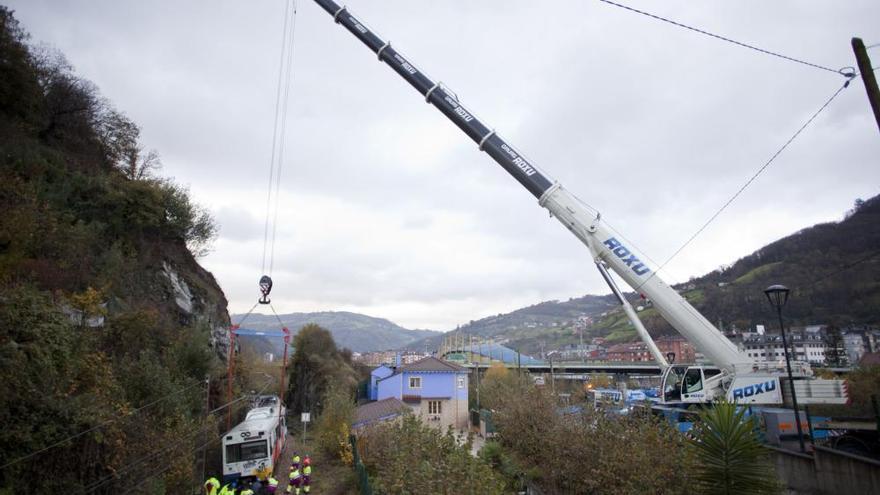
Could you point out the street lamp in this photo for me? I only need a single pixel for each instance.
(778, 296)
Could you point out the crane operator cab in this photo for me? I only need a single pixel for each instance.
(683, 383)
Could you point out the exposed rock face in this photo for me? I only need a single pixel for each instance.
(181, 290)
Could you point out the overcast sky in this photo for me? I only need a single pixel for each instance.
(387, 209)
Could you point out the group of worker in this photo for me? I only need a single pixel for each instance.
(300, 478)
(299, 481)
(258, 487)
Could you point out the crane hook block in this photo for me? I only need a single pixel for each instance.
(265, 289)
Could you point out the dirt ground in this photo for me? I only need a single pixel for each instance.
(329, 476)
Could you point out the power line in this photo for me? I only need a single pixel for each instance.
(127, 415)
(130, 466)
(843, 269)
(748, 182)
(722, 38)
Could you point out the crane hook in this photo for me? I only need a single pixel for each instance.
(265, 289)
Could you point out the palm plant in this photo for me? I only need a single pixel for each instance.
(728, 456)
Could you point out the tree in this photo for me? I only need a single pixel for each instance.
(730, 458)
(316, 364)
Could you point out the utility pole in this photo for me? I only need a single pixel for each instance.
(868, 77)
(207, 417)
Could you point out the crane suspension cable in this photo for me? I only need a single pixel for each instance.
(287, 83)
(284, 37)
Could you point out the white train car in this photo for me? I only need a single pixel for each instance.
(256, 443)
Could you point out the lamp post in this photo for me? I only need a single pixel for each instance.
(778, 296)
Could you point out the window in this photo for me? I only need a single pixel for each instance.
(247, 451)
(461, 382)
(434, 407)
(693, 381)
(415, 382)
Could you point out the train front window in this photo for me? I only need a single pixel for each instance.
(247, 451)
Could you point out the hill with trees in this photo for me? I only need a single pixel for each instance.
(106, 318)
(360, 333)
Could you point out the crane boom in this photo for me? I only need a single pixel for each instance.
(584, 222)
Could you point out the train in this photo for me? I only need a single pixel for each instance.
(253, 446)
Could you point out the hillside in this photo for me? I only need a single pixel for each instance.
(833, 270)
(103, 306)
(360, 333)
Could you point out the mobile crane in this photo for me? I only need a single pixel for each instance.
(736, 376)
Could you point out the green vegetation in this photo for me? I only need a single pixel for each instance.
(586, 451)
(317, 364)
(760, 271)
(730, 458)
(101, 376)
(407, 456)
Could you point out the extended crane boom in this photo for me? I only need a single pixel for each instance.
(607, 249)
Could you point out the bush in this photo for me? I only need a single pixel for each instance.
(334, 424)
(407, 456)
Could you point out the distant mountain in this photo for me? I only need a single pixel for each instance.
(832, 269)
(360, 333)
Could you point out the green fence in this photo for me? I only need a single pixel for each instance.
(359, 468)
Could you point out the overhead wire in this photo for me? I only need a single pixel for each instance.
(749, 181)
(99, 426)
(842, 269)
(722, 38)
(127, 468)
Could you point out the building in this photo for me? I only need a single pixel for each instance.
(807, 344)
(682, 349)
(635, 352)
(377, 412)
(630, 352)
(377, 374)
(854, 342)
(435, 390)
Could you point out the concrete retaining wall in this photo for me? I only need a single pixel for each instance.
(826, 472)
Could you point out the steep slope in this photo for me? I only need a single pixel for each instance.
(103, 307)
(360, 333)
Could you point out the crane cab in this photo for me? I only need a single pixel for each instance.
(689, 384)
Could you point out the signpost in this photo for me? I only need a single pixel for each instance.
(305, 418)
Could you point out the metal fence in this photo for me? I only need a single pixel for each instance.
(360, 470)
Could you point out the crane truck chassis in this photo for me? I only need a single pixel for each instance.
(737, 376)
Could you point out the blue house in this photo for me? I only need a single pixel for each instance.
(436, 390)
(377, 374)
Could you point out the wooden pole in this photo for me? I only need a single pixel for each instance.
(868, 77)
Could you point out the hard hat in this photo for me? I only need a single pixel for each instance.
(307, 461)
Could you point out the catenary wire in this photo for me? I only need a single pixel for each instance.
(128, 467)
(97, 427)
(719, 37)
(748, 182)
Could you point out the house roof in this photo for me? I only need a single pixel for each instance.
(431, 363)
(379, 410)
(870, 359)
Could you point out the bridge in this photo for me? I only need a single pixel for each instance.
(482, 355)
(576, 371)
